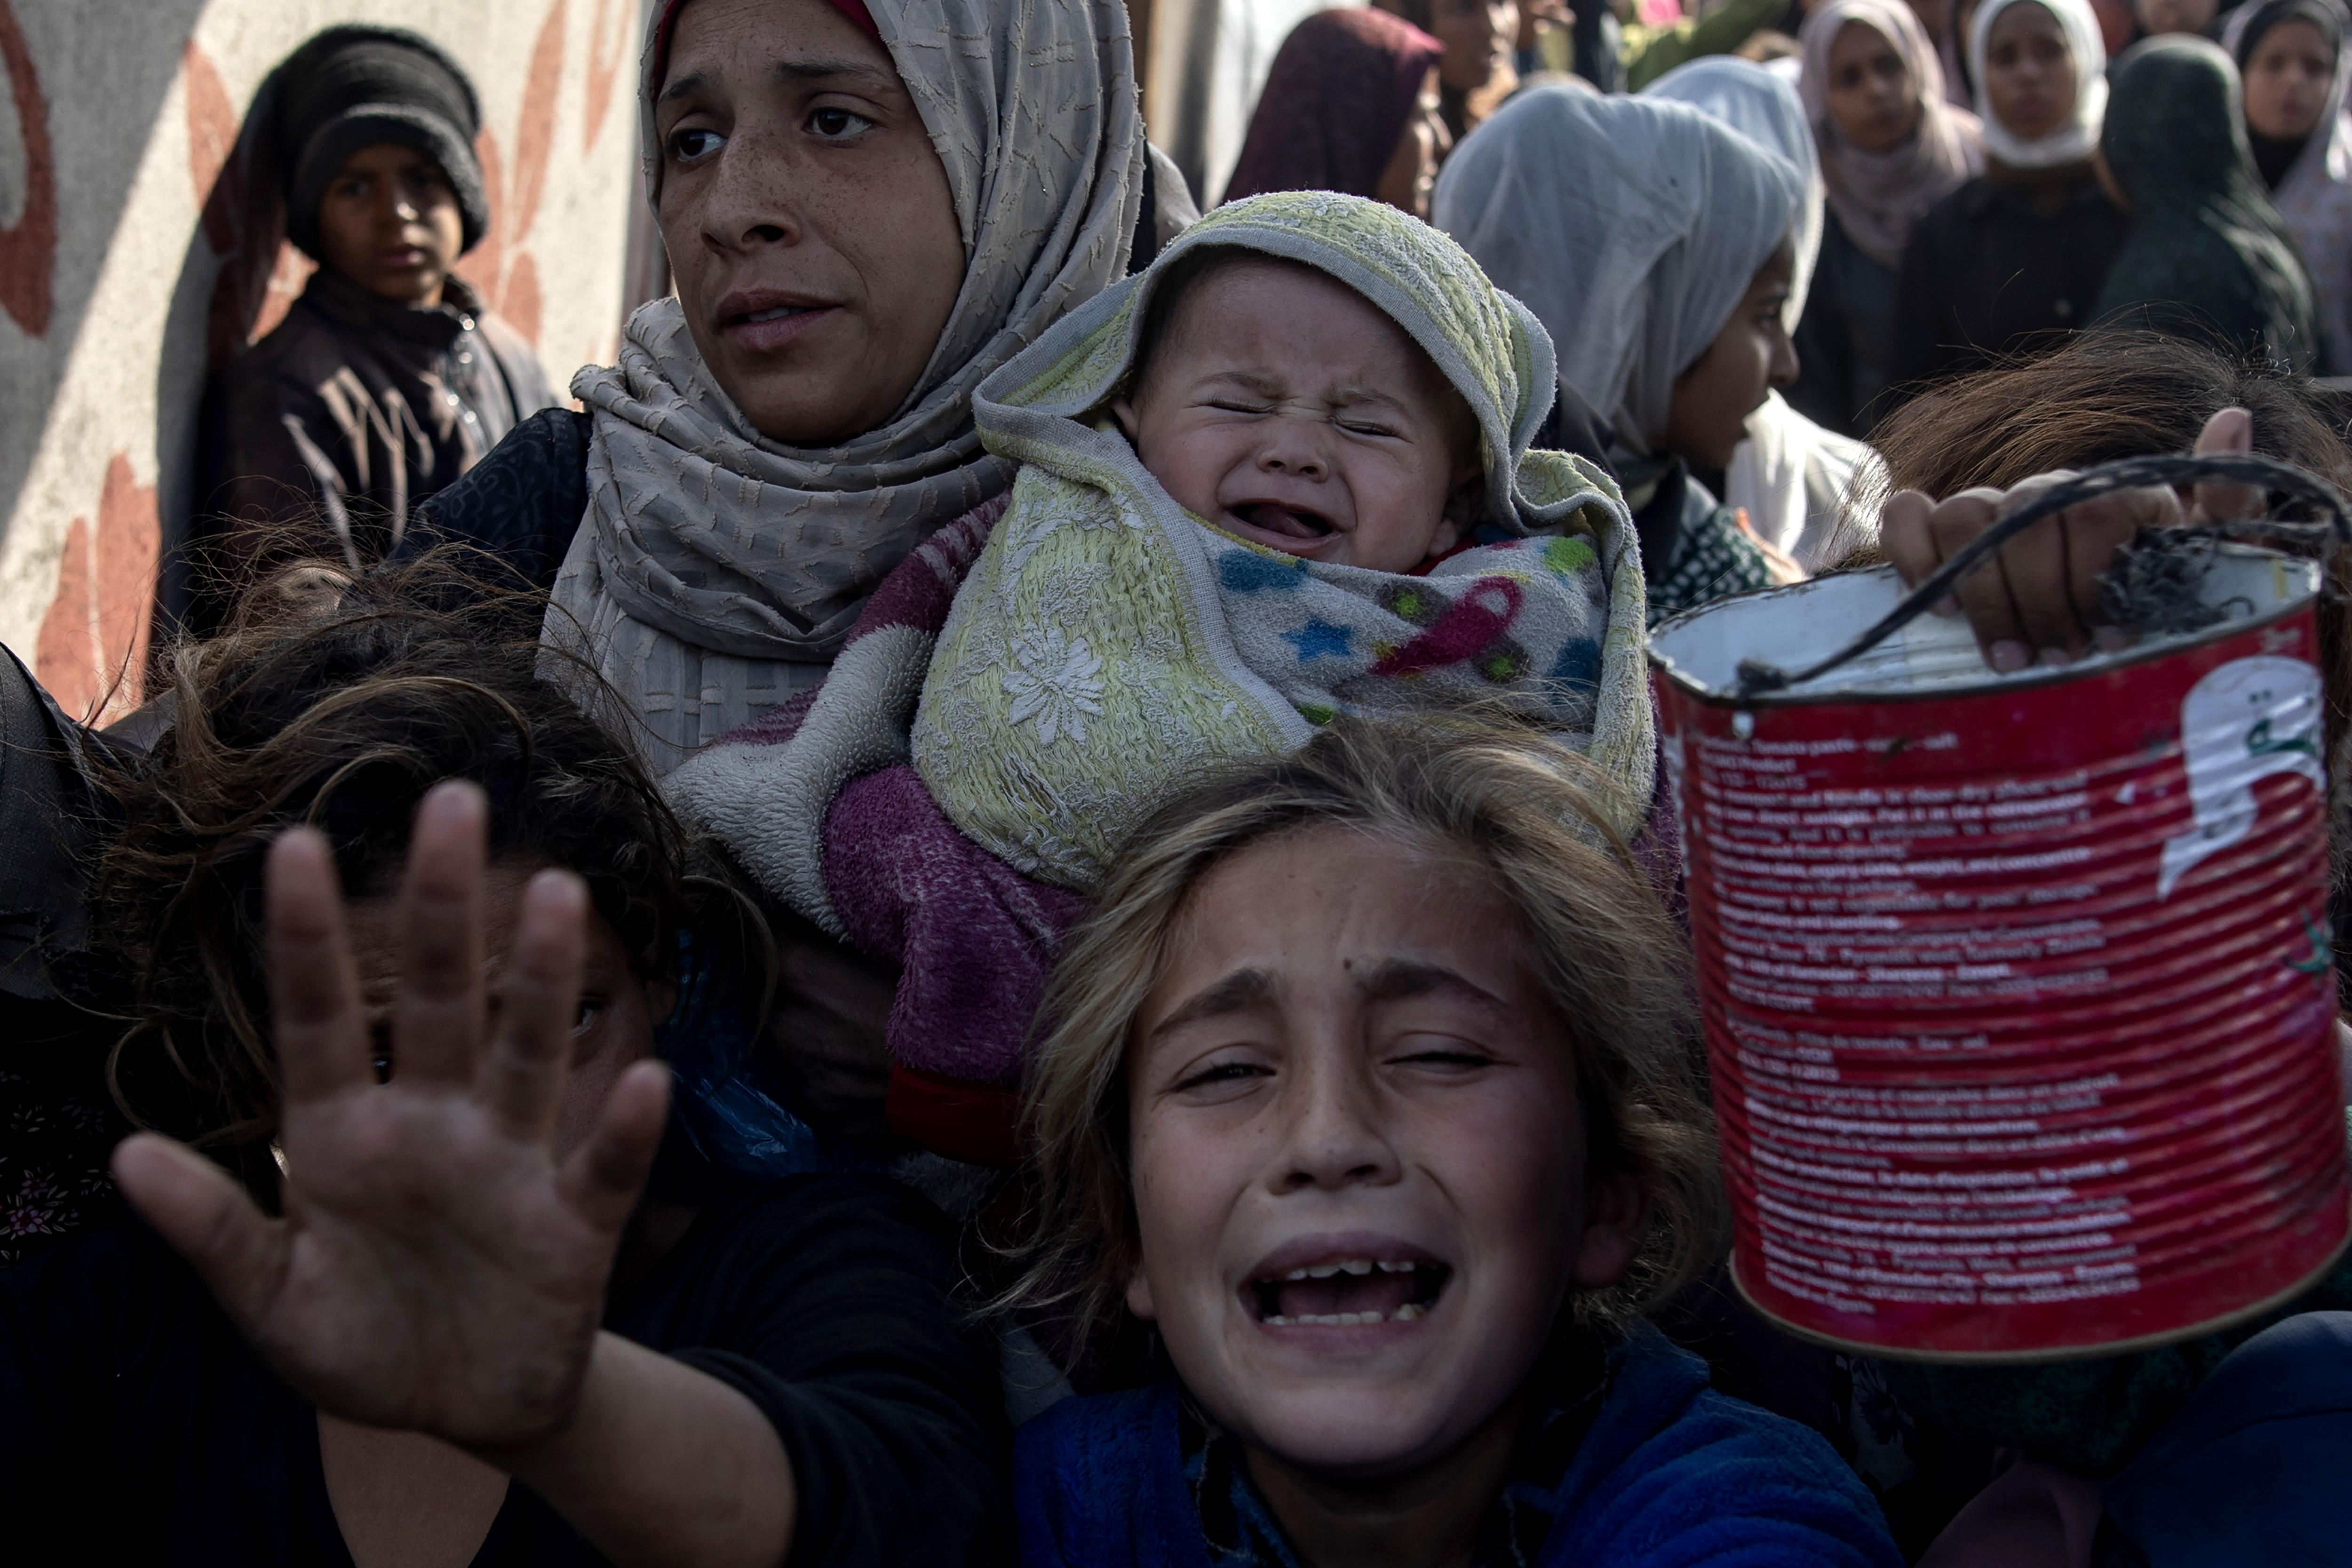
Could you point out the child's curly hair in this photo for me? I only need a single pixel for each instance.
(339, 710)
(1507, 802)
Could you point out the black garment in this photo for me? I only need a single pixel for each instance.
(46, 805)
(521, 504)
(350, 412)
(1841, 343)
(2209, 258)
(57, 1123)
(1599, 41)
(1145, 247)
(1692, 547)
(354, 86)
(2275, 156)
(135, 1426)
(2007, 260)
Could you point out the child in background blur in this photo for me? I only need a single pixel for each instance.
(388, 378)
(2290, 54)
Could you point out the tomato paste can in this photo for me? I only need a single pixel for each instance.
(2017, 991)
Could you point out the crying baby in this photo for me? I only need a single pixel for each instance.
(1283, 476)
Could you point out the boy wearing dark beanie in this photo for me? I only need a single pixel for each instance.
(388, 378)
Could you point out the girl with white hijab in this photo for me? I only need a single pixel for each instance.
(1657, 247)
(1789, 476)
(2015, 257)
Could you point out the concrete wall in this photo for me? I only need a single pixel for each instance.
(131, 258)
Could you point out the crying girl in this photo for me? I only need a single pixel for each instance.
(1370, 1087)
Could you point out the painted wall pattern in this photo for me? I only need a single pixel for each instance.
(140, 245)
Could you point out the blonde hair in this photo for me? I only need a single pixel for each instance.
(1523, 811)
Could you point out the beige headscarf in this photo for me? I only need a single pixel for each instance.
(717, 572)
(1877, 196)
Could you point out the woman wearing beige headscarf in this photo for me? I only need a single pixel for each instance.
(797, 418)
(868, 207)
(1891, 148)
(935, 183)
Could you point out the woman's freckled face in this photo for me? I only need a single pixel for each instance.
(807, 216)
(1751, 355)
(2029, 71)
(1870, 97)
(617, 1009)
(2287, 81)
(1282, 406)
(1358, 1157)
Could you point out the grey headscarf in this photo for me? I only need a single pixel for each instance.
(1630, 226)
(1877, 196)
(717, 572)
(1765, 108)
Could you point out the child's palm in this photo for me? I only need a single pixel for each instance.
(435, 1269)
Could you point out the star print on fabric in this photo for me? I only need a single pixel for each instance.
(1318, 638)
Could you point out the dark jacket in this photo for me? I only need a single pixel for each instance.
(2005, 257)
(57, 1122)
(1843, 341)
(1664, 1472)
(353, 411)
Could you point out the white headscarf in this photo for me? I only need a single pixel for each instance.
(1789, 475)
(2075, 139)
(2316, 197)
(1764, 108)
(717, 572)
(1630, 226)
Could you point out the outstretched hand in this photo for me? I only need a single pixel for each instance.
(439, 1267)
(2038, 598)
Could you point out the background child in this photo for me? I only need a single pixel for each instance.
(388, 377)
(1370, 1088)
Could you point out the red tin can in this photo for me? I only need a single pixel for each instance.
(2018, 991)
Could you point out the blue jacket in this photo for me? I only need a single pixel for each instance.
(1670, 1473)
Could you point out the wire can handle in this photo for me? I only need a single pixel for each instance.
(2169, 470)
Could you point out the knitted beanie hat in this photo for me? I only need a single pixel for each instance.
(353, 87)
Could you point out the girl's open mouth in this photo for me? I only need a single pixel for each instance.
(1350, 1291)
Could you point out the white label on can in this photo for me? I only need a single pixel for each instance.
(2245, 721)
